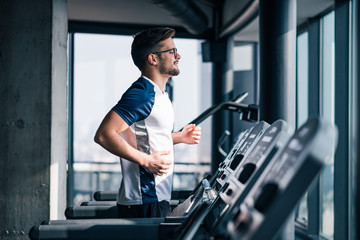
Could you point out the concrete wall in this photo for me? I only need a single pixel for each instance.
(33, 42)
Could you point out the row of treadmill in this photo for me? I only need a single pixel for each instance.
(251, 196)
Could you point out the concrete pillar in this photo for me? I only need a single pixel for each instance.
(277, 60)
(33, 93)
(341, 119)
(355, 135)
(278, 71)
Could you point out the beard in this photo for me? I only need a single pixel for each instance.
(173, 71)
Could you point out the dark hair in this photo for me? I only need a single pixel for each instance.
(148, 41)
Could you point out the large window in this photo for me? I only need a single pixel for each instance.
(302, 78)
(192, 96)
(327, 104)
(302, 103)
(103, 70)
(320, 98)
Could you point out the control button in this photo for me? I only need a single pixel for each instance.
(247, 172)
(229, 192)
(235, 162)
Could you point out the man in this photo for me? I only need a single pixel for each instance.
(138, 128)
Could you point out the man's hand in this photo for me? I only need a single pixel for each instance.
(190, 134)
(156, 164)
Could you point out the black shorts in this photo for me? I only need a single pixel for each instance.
(150, 210)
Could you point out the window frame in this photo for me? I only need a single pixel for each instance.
(75, 27)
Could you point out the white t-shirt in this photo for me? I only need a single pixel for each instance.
(149, 113)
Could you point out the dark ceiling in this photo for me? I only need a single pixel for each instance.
(149, 12)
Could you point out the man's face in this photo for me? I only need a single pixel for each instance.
(169, 60)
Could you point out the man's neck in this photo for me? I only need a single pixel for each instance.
(159, 80)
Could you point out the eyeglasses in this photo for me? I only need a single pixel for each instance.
(169, 50)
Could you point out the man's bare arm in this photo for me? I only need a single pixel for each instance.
(108, 136)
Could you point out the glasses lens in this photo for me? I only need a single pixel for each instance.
(175, 52)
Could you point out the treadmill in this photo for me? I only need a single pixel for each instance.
(155, 228)
(263, 211)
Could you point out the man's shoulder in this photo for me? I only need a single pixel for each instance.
(140, 91)
(142, 84)
(137, 102)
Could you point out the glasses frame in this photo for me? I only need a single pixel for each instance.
(171, 49)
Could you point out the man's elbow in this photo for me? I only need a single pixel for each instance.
(98, 138)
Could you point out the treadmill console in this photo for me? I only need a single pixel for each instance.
(242, 151)
(282, 184)
(273, 139)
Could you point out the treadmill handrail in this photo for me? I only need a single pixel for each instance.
(250, 111)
